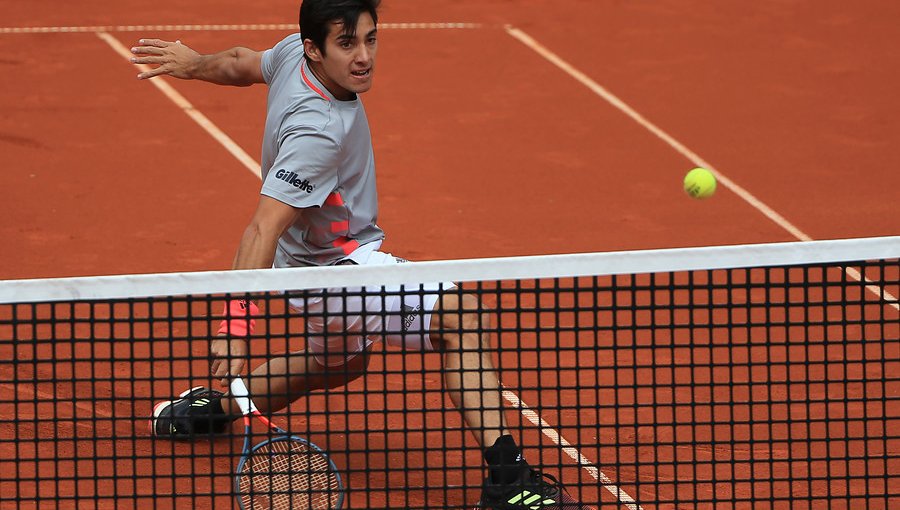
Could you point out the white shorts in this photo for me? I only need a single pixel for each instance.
(341, 323)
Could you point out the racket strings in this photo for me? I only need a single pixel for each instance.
(287, 474)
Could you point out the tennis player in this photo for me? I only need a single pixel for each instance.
(318, 206)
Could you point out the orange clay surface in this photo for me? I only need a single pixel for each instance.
(484, 148)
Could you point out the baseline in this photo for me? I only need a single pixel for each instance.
(208, 28)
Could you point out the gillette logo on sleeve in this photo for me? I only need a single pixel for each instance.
(294, 180)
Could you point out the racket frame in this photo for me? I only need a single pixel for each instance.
(241, 396)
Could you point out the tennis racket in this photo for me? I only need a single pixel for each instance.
(284, 471)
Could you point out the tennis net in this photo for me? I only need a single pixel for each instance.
(763, 376)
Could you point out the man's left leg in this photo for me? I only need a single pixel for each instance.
(460, 329)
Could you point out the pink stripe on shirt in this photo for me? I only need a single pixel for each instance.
(311, 84)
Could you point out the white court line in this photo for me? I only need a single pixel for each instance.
(204, 122)
(745, 195)
(254, 167)
(881, 293)
(571, 451)
(208, 28)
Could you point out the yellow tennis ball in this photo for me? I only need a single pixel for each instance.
(700, 183)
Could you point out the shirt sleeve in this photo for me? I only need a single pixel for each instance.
(305, 171)
(273, 57)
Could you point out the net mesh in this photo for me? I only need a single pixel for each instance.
(762, 376)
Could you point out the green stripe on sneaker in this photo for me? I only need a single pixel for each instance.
(529, 498)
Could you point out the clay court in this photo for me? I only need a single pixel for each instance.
(501, 128)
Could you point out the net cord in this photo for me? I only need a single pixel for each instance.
(486, 269)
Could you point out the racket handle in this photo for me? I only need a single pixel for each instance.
(242, 396)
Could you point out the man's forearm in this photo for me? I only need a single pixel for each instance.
(228, 67)
(257, 249)
(271, 219)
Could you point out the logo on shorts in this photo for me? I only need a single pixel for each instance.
(409, 315)
(294, 180)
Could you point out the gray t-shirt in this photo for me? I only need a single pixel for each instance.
(316, 155)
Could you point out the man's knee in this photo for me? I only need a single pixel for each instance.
(462, 322)
(460, 311)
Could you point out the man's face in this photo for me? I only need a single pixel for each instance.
(349, 61)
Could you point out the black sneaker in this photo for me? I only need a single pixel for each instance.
(196, 413)
(532, 491)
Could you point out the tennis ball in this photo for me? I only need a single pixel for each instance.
(700, 183)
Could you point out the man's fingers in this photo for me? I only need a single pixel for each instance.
(221, 367)
(159, 43)
(149, 60)
(147, 50)
(221, 371)
(227, 359)
(237, 365)
(153, 72)
(149, 55)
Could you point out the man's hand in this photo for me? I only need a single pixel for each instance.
(228, 357)
(173, 58)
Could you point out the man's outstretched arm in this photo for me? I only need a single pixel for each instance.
(256, 251)
(237, 66)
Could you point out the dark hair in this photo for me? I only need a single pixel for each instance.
(317, 16)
